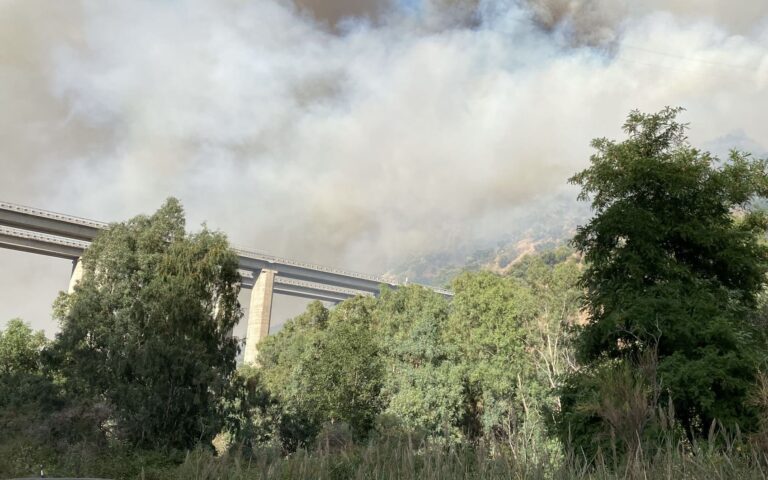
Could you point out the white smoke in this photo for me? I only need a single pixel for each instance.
(352, 133)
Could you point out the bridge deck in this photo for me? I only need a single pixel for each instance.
(66, 236)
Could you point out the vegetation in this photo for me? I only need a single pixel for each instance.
(638, 353)
(675, 265)
(146, 329)
(479, 367)
(22, 381)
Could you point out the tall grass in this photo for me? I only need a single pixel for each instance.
(400, 459)
(392, 454)
(719, 457)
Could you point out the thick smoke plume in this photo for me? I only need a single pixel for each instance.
(353, 133)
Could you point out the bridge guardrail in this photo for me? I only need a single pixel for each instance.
(21, 233)
(53, 215)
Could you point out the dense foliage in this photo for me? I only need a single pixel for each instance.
(480, 366)
(675, 264)
(146, 330)
(23, 382)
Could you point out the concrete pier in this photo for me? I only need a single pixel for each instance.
(259, 314)
(77, 274)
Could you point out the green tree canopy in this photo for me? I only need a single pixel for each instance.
(479, 365)
(147, 328)
(490, 324)
(675, 264)
(324, 367)
(24, 384)
(20, 348)
(423, 386)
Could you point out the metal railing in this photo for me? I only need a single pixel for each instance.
(320, 287)
(52, 215)
(43, 237)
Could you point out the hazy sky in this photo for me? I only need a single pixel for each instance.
(346, 132)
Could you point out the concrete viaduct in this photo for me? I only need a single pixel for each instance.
(42, 232)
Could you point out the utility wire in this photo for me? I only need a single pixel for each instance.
(690, 59)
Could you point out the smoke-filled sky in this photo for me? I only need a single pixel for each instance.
(346, 132)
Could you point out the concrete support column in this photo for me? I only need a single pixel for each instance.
(259, 314)
(77, 274)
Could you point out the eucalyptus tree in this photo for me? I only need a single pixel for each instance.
(147, 329)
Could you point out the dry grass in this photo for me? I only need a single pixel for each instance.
(397, 459)
(401, 458)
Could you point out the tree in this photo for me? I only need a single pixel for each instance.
(324, 367)
(490, 324)
(283, 358)
(148, 328)
(423, 387)
(20, 348)
(479, 365)
(553, 277)
(253, 414)
(674, 264)
(345, 375)
(23, 382)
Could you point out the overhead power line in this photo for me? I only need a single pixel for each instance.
(690, 59)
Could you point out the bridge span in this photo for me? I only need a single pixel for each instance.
(59, 235)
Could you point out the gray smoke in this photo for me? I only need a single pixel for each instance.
(335, 11)
(601, 21)
(350, 133)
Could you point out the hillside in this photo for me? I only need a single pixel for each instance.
(549, 224)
